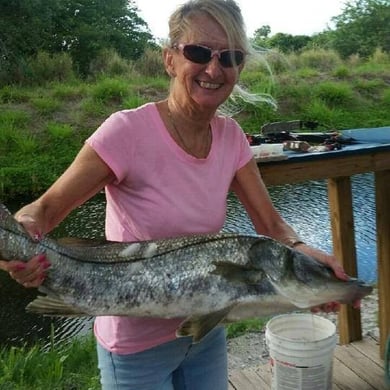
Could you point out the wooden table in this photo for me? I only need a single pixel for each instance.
(338, 167)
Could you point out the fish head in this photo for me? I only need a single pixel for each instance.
(302, 279)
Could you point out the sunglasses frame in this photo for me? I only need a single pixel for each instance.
(228, 62)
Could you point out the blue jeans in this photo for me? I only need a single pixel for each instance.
(176, 365)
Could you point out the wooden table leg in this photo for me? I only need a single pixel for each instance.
(343, 235)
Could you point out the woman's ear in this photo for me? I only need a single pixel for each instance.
(169, 62)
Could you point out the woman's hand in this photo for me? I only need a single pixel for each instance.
(338, 270)
(29, 274)
(33, 272)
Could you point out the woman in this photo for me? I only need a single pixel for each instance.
(167, 168)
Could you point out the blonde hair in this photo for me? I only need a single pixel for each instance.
(228, 15)
(225, 12)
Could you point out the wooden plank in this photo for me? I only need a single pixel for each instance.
(356, 366)
(346, 379)
(231, 387)
(246, 380)
(382, 195)
(290, 171)
(341, 216)
(369, 347)
(367, 370)
(265, 372)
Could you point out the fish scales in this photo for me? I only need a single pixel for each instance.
(205, 279)
(163, 279)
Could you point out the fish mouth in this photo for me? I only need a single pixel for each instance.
(306, 296)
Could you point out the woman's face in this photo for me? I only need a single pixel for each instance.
(205, 86)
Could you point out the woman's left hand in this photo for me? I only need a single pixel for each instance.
(338, 270)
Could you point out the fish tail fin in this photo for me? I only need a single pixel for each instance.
(51, 306)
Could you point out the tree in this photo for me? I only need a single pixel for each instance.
(363, 26)
(288, 43)
(80, 27)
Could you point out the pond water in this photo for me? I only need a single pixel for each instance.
(304, 206)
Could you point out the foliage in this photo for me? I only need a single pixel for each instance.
(363, 26)
(288, 43)
(109, 89)
(109, 63)
(54, 67)
(42, 128)
(151, 63)
(239, 328)
(66, 366)
(81, 28)
(335, 94)
(321, 59)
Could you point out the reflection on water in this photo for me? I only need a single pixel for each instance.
(304, 206)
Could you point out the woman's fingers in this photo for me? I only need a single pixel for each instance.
(31, 273)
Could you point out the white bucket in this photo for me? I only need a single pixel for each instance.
(301, 349)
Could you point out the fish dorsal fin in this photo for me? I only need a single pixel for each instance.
(52, 306)
(198, 326)
(237, 273)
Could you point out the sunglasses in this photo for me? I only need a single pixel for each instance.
(203, 55)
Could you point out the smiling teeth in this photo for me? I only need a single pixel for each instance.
(203, 84)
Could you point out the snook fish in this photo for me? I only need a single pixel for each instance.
(205, 279)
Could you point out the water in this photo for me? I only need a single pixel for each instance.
(304, 206)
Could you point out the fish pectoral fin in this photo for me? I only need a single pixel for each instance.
(237, 273)
(53, 307)
(199, 326)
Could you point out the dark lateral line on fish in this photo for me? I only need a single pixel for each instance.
(69, 256)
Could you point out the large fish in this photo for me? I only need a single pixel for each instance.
(205, 279)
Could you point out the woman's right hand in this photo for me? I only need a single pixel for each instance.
(33, 272)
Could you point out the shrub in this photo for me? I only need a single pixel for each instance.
(109, 63)
(386, 98)
(342, 72)
(321, 59)
(334, 94)
(45, 105)
(45, 67)
(150, 63)
(109, 89)
(380, 57)
(329, 118)
(59, 130)
(12, 94)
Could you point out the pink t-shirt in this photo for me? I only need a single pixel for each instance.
(160, 191)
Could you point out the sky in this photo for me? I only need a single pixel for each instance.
(295, 17)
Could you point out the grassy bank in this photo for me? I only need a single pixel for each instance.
(43, 127)
(71, 366)
(68, 367)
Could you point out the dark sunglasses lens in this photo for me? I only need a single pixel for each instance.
(198, 54)
(231, 58)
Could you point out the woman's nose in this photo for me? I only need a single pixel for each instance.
(214, 67)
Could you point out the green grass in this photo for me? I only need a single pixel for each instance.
(43, 127)
(69, 366)
(239, 328)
